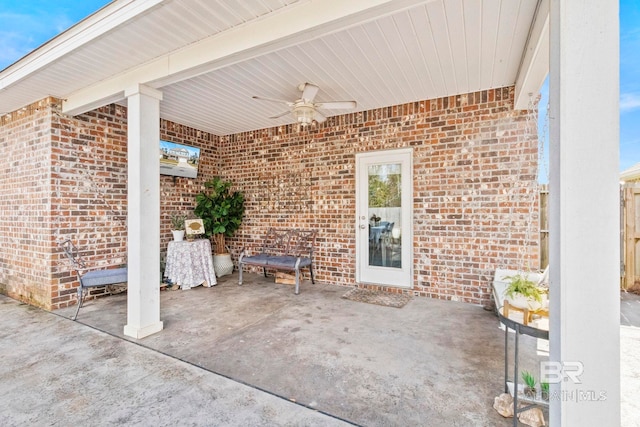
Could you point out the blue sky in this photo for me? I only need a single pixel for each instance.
(25, 25)
(629, 83)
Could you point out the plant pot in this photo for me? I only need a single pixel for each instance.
(521, 301)
(222, 264)
(178, 235)
(530, 392)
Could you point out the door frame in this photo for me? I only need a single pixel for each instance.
(362, 251)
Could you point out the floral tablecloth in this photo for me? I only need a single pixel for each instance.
(190, 263)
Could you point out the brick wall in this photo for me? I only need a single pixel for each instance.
(73, 184)
(93, 207)
(24, 203)
(475, 197)
(88, 193)
(178, 194)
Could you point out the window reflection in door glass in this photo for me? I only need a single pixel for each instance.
(384, 213)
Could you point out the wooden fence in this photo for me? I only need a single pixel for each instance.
(544, 226)
(629, 234)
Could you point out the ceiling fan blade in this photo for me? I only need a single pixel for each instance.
(280, 115)
(319, 117)
(309, 92)
(337, 105)
(281, 101)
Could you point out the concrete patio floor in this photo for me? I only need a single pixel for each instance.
(231, 355)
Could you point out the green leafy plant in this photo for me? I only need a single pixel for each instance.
(544, 386)
(177, 221)
(520, 284)
(529, 380)
(530, 383)
(221, 211)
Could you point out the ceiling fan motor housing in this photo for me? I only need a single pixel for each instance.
(304, 113)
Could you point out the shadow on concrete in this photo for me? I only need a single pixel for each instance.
(429, 363)
(259, 355)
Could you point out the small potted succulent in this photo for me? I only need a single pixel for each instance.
(530, 384)
(177, 225)
(544, 388)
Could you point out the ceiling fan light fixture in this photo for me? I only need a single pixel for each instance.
(304, 110)
(304, 114)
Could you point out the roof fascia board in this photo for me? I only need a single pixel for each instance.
(94, 26)
(300, 22)
(535, 62)
(631, 174)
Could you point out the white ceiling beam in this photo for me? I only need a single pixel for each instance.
(113, 89)
(93, 27)
(535, 62)
(285, 27)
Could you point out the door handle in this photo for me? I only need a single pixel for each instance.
(362, 226)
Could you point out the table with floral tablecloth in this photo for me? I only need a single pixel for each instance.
(190, 263)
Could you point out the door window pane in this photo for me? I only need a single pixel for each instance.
(384, 213)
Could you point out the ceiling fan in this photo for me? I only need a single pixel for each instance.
(304, 110)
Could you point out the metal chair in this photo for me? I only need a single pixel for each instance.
(91, 278)
(386, 243)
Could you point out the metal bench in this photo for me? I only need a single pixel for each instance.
(91, 278)
(283, 249)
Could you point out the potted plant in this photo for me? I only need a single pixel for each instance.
(177, 226)
(221, 211)
(529, 383)
(523, 293)
(544, 387)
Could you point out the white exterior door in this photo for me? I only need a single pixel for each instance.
(384, 195)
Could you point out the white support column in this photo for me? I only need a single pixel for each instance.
(584, 205)
(143, 219)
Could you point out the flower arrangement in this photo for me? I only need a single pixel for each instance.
(177, 220)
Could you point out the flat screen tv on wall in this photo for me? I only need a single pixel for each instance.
(178, 159)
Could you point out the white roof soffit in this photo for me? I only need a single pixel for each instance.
(535, 62)
(285, 27)
(91, 28)
(209, 58)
